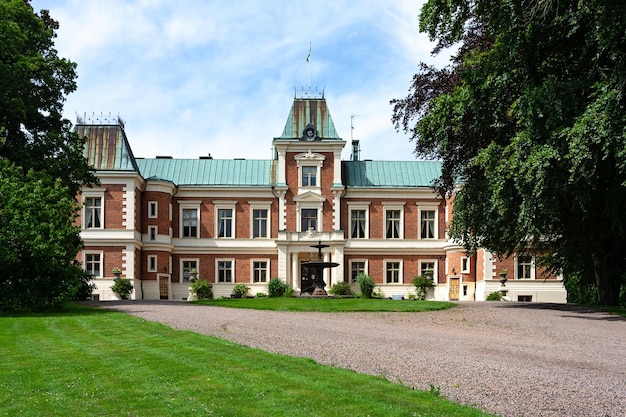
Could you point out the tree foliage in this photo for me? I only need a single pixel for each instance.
(530, 117)
(42, 165)
(38, 242)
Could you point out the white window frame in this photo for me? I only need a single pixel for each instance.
(93, 193)
(317, 219)
(152, 204)
(225, 205)
(265, 205)
(189, 205)
(532, 267)
(182, 268)
(100, 261)
(267, 270)
(400, 271)
(465, 264)
(314, 160)
(359, 206)
(152, 236)
(422, 207)
(232, 270)
(421, 268)
(393, 206)
(365, 268)
(152, 263)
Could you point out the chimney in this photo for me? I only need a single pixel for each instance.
(356, 150)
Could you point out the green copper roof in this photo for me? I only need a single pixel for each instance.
(309, 110)
(211, 172)
(107, 147)
(383, 174)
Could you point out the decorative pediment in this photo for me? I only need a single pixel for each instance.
(309, 197)
(309, 157)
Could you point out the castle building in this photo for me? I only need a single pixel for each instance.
(233, 221)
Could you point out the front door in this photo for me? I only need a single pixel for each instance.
(455, 283)
(307, 279)
(164, 288)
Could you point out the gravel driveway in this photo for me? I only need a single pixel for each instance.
(513, 359)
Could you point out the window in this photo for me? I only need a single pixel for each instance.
(152, 232)
(392, 272)
(259, 223)
(465, 265)
(190, 222)
(153, 210)
(225, 219)
(309, 176)
(427, 224)
(308, 219)
(525, 267)
(93, 264)
(392, 224)
(428, 266)
(188, 266)
(357, 224)
(357, 268)
(525, 298)
(93, 213)
(260, 271)
(224, 271)
(152, 263)
(224, 223)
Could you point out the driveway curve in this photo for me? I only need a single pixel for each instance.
(513, 359)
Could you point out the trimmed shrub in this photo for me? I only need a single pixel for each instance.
(122, 287)
(422, 284)
(202, 289)
(241, 289)
(340, 288)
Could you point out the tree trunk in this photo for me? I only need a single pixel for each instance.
(608, 274)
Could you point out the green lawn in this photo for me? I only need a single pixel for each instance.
(329, 305)
(93, 362)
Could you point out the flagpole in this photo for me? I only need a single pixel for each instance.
(308, 59)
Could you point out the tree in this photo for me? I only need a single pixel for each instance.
(42, 166)
(530, 118)
(37, 242)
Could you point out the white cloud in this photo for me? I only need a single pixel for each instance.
(195, 77)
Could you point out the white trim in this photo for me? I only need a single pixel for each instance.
(93, 193)
(393, 206)
(188, 205)
(314, 160)
(180, 268)
(225, 205)
(101, 261)
(150, 259)
(400, 263)
(359, 206)
(232, 270)
(267, 270)
(435, 268)
(261, 205)
(153, 237)
(350, 269)
(465, 265)
(423, 207)
(532, 268)
(156, 209)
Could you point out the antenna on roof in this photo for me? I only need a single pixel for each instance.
(352, 116)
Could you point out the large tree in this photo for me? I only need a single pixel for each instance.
(41, 161)
(530, 117)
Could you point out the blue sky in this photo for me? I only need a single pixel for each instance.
(197, 77)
